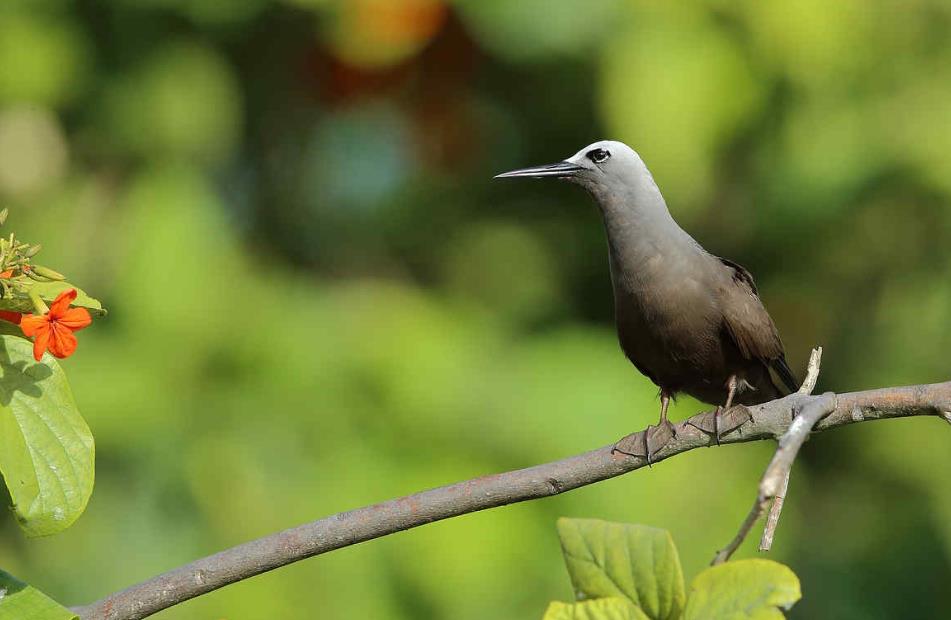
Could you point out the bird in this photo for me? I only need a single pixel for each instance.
(690, 321)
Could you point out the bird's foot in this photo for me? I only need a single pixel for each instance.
(656, 438)
(646, 444)
(721, 421)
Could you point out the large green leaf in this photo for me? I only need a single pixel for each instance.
(48, 291)
(743, 590)
(615, 608)
(46, 449)
(637, 562)
(19, 601)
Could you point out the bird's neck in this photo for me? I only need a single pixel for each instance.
(639, 227)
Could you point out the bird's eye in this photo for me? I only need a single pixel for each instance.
(598, 155)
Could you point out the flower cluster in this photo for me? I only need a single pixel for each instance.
(21, 282)
(52, 330)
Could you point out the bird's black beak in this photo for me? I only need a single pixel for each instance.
(561, 170)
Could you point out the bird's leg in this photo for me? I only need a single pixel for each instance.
(731, 386)
(731, 392)
(664, 404)
(659, 436)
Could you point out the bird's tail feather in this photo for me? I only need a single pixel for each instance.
(782, 370)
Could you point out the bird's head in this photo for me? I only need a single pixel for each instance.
(605, 167)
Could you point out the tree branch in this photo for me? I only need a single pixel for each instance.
(769, 421)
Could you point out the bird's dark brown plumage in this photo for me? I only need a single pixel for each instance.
(691, 336)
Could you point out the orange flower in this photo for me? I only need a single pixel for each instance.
(6, 274)
(54, 329)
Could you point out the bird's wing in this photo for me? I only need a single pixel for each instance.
(750, 326)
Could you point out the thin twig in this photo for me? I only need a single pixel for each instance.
(776, 508)
(772, 519)
(778, 469)
(812, 371)
(769, 420)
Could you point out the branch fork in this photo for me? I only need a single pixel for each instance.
(775, 481)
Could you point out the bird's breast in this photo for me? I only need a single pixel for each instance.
(668, 321)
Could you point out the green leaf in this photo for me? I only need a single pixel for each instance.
(614, 608)
(46, 449)
(20, 301)
(19, 601)
(743, 590)
(637, 562)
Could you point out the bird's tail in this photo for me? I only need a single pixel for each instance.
(785, 374)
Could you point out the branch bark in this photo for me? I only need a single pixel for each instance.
(769, 421)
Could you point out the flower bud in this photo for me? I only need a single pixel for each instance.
(46, 272)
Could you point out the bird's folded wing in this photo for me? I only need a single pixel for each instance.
(746, 319)
(751, 327)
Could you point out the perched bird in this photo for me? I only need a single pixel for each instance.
(690, 321)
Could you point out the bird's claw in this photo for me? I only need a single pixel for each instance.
(721, 422)
(656, 438)
(646, 444)
(716, 423)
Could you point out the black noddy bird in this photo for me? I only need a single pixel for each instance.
(688, 320)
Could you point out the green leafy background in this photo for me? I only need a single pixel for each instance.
(319, 298)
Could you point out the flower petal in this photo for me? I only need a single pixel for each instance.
(32, 324)
(61, 303)
(63, 342)
(40, 344)
(75, 319)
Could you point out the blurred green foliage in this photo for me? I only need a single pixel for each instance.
(321, 300)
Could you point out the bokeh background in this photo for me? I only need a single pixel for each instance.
(320, 299)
